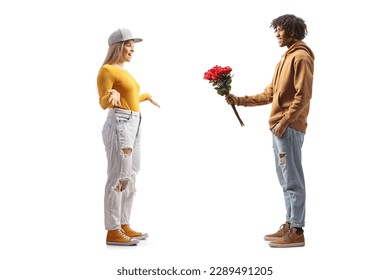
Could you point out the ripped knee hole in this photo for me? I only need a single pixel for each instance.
(121, 186)
(282, 158)
(127, 151)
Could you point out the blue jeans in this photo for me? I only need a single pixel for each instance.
(288, 162)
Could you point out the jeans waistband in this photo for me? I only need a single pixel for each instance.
(113, 111)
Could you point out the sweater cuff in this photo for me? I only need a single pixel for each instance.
(144, 97)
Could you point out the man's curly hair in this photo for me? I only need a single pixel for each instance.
(295, 26)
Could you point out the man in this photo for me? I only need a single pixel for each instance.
(289, 93)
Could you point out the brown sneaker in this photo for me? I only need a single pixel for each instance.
(134, 234)
(280, 233)
(290, 239)
(118, 237)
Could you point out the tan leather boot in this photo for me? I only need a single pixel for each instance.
(290, 239)
(281, 232)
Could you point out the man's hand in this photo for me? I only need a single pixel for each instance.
(279, 130)
(231, 99)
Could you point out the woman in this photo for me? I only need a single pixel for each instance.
(119, 92)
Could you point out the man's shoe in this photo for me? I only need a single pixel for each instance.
(118, 237)
(134, 234)
(280, 233)
(290, 239)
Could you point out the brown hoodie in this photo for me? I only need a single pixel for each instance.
(291, 89)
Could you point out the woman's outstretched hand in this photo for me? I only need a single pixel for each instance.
(115, 98)
(151, 100)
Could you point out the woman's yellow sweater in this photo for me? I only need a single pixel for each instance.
(111, 77)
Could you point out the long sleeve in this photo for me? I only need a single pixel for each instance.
(105, 82)
(259, 99)
(303, 81)
(144, 97)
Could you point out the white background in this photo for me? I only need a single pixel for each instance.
(207, 192)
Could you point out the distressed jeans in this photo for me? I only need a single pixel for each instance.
(288, 162)
(120, 132)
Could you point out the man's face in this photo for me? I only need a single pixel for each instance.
(284, 39)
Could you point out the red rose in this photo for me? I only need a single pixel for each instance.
(215, 73)
(221, 80)
(225, 70)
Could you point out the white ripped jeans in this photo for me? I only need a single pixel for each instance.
(121, 131)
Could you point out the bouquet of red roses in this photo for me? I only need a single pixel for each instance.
(221, 78)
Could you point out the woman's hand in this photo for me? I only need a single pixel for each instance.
(151, 100)
(115, 98)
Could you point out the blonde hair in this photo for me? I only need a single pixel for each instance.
(114, 53)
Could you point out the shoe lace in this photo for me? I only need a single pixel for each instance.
(288, 233)
(122, 234)
(281, 228)
(132, 230)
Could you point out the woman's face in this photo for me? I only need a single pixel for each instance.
(128, 50)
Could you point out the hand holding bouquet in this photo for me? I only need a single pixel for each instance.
(221, 79)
